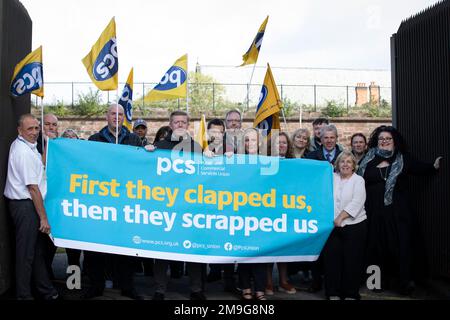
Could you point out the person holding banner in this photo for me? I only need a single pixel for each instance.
(50, 132)
(281, 146)
(343, 254)
(233, 139)
(73, 255)
(162, 133)
(179, 141)
(329, 150)
(385, 168)
(97, 261)
(25, 190)
(216, 142)
(257, 271)
(233, 133)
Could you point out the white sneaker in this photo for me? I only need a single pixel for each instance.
(334, 298)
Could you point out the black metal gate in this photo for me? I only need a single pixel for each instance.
(420, 55)
(15, 44)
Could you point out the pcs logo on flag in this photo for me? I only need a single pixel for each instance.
(28, 79)
(126, 102)
(173, 78)
(107, 63)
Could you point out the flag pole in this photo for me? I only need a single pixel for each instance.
(249, 84)
(117, 114)
(44, 147)
(301, 116)
(187, 85)
(284, 118)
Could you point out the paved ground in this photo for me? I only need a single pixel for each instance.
(178, 289)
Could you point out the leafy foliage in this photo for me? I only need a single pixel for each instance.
(334, 109)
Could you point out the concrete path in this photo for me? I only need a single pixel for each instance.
(178, 289)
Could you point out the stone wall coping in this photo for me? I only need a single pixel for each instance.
(290, 120)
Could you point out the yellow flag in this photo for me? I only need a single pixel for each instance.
(201, 137)
(173, 84)
(126, 101)
(29, 75)
(102, 62)
(269, 105)
(251, 56)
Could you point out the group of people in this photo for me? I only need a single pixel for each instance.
(372, 215)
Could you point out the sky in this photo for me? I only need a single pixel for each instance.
(151, 35)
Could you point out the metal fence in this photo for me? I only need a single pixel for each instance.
(215, 96)
(421, 80)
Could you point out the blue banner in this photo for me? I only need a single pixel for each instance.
(168, 205)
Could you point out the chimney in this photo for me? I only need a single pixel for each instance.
(361, 94)
(374, 93)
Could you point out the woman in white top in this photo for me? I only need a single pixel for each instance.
(344, 250)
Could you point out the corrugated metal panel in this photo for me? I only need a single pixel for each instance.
(421, 71)
(15, 43)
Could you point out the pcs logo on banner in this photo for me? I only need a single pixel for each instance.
(178, 166)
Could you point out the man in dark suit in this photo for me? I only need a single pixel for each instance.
(328, 151)
(179, 141)
(113, 132)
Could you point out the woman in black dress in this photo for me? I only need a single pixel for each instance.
(385, 169)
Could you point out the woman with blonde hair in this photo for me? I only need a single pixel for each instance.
(282, 147)
(300, 142)
(249, 271)
(345, 247)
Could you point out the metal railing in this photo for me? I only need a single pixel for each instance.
(216, 96)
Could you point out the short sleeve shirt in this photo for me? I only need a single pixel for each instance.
(25, 168)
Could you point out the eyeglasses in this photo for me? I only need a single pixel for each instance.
(385, 139)
(233, 120)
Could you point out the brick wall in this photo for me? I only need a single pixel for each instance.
(346, 126)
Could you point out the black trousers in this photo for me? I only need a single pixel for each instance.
(49, 255)
(30, 251)
(343, 256)
(124, 267)
(255, 271)
(73, 257)
(195, 271)
(228, 272)
(390, 246)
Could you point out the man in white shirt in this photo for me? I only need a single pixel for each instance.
(25, 189)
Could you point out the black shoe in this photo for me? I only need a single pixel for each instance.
(377, 290)
(158, 296)
(92, 293)
(232, 289)
(132, 294)
(56, 297)
(314, 287)
(198, 296)
(407, 290)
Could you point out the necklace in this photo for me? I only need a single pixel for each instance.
(384, 177)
